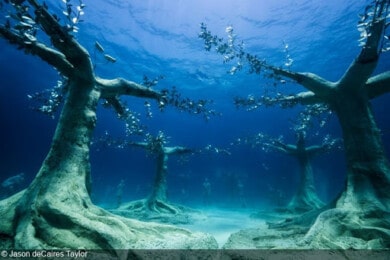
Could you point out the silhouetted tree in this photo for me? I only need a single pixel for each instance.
(306, 197)
(156, 206)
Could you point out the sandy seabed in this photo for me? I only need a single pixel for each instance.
(221, 223)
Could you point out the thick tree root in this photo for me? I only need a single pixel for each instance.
(158, 211)
(303, 221)
(301, 204)
(335, 228)
(282, 230)
(51, 224)
(264, 238)
(344, 229)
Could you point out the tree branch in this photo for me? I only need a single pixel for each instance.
(166, 150)
(286, 148)
(378, 85)
(60, 37)
(139, 144)
(360, 70)
(304, 98)
(321, 87)
(116, 104)
(316, 149)
(119, 86)
(177, 150)
(371, 50)
(51, 56)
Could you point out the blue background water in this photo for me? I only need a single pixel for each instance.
(160, 38)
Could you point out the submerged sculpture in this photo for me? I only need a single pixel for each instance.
(359, 217)
(56, 211)
(156, 207)
(305, 198)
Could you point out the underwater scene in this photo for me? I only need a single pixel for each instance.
(194, 125)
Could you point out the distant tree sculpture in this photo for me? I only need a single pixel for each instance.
(159, 194)
(156, 206)
(360, 216)
(56, 211)
(119, 192)
(206, 191)
(306, 197)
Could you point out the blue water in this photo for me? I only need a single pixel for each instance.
(160, 38)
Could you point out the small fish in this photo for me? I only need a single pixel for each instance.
(30, 37)
(229, 29)
(109, 58)
(28, 20)
(80, 8)
(99, 47)
(22, 25)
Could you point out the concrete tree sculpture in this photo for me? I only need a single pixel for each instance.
(360, 216)
(156, 207)
(305, 198)
(56, 211)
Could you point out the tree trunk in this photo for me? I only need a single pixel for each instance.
(157, 201)
(306, 197)
(368, 171)
(361, 217)
(160, 181)
(156, 207)
(63, 182)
